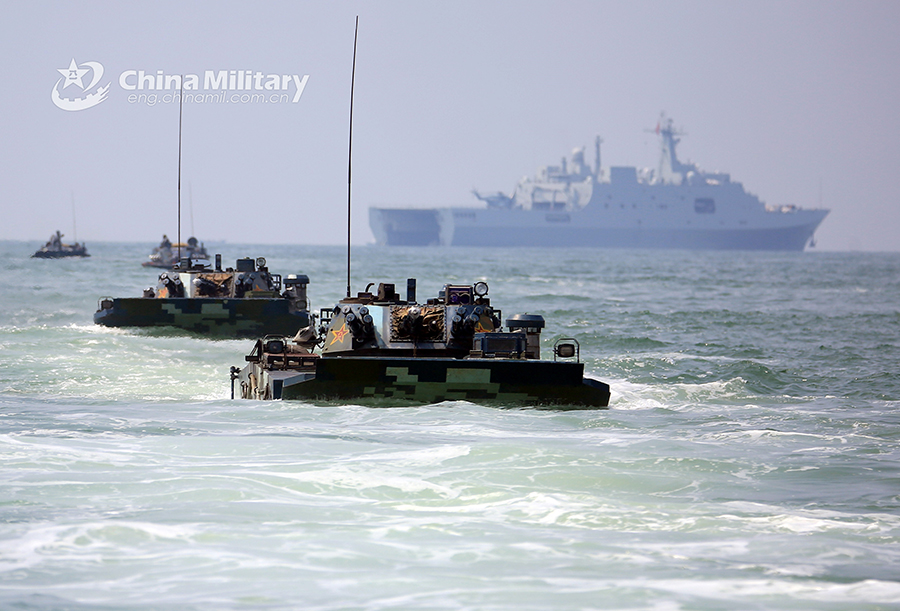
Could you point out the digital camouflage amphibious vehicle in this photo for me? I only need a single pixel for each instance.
(392, 350)
(246, 301)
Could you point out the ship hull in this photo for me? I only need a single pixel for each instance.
(783, 238)
(59, 254)
(225, 318)
(394, 381)
(776, 231)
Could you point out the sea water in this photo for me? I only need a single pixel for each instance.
(749, 458)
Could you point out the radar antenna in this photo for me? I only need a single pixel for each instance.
(665, 125)
(350, 151)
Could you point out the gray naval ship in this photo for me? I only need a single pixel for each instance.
(387, 350)
(676, 206)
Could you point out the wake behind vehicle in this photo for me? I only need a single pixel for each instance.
(245, 301)
(381, 348)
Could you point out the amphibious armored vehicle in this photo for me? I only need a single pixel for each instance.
(55, 249)
(245, 301)
(167, 255)
(390, 350)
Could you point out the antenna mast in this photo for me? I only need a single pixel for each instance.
(75, 230)
(191, 206)
(180, 107)
(350, 151)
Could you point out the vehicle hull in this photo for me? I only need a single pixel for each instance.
(250, 317)
(399, 380)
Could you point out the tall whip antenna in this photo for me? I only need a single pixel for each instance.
(191, 206)
(180, 107)
(75, 229)
(350, 151)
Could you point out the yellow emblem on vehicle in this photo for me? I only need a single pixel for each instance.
(484, 325)
(339, 334)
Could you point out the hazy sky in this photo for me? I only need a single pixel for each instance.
(797, 100)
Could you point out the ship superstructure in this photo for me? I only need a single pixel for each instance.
(677, 205)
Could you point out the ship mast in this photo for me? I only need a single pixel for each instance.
(669, 166)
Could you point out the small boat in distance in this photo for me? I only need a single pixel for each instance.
(55, 249)
(166, 255)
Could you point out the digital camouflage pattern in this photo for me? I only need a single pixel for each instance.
(216, 317)
(432, 380)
